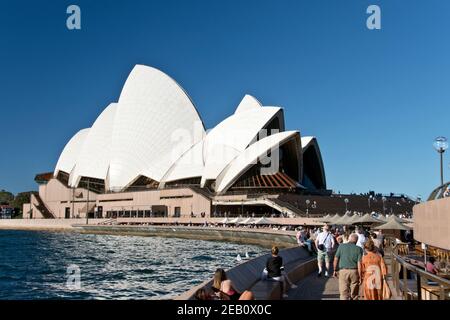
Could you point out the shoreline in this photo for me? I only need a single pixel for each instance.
(264, 237)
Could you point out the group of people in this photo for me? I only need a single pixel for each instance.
(222, 287)
(357, 261)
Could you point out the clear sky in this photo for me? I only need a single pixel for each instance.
(375, 99)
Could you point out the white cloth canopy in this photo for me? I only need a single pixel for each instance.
(263, 221)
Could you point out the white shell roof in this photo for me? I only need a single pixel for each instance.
(68, 156)
(249, 157)
(306, 141)
(155, 131)
(189, 165)
(95, 154)
(232, 136)
(248, 102)
(153, 114)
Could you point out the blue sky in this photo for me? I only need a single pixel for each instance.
(375, 99)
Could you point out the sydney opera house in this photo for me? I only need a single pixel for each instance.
(149, 155)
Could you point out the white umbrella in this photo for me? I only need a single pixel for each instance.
(334, 218)
(263, 221)
(344, 220)
(246, 221)
(393, 224)
(367, 219)
(235, 220)
(225, 221)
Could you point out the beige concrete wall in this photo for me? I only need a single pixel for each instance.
(44, 224)
(58, 197)
(432, 223)
(186, 199)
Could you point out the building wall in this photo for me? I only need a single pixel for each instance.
(185, 198)
(432, 223)
(58, 197)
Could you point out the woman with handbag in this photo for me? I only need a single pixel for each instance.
(373, 274)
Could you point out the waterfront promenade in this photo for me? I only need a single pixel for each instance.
(315, 288)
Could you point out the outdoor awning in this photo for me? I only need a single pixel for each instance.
(382, 218)
(225, 221)
(246, 221)
(334, 218)
(393, 224)
(354, 218)
(392, 216)
(324, 219)
(344, 220)
(263, 221)
(235, 220)
(367, 219)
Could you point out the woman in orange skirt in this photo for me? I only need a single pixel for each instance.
(373, 273)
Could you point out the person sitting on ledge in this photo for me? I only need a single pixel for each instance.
(431, 267)
(275, 271)
(223, 287)
(202, 294)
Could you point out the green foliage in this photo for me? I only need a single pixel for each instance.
(19, 200)
(6, 197)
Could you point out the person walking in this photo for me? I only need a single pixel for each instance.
(373, 270)
(361, 237)
(324, 244)
(347, 268)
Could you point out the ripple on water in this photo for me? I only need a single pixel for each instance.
(33, 265)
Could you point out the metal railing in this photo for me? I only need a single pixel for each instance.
(420, 281)
(438, 193)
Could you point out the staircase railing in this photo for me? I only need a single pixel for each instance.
(46, 213)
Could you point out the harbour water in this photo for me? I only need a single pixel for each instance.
(34, 265)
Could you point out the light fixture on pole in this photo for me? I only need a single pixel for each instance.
(384, 201)
(368, 199)
(346, 205)
(307, 207)
(441, 144)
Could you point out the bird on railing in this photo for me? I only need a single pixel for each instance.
(239, 258)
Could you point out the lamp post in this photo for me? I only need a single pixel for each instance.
(368, 199)
(346, 204)
(307, 207)
(441, 144)
(87, 203)
(384, 201)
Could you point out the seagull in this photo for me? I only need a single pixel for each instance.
(238, 258)
(247, 255)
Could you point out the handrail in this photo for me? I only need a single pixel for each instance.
(438, 193)
(398, 262)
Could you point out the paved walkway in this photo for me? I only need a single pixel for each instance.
(321, 288)
(315, 288)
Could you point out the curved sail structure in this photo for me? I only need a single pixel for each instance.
(154, 137)
(69, 155)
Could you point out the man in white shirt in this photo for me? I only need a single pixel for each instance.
(324, 244)
(361, 238)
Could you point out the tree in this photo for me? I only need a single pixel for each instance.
(6, 197)
(19, 200)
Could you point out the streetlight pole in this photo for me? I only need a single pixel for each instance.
(346, 205)
(73, 202)
(384, 200)
(307, 207)
(441, 144)
(87, 203)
